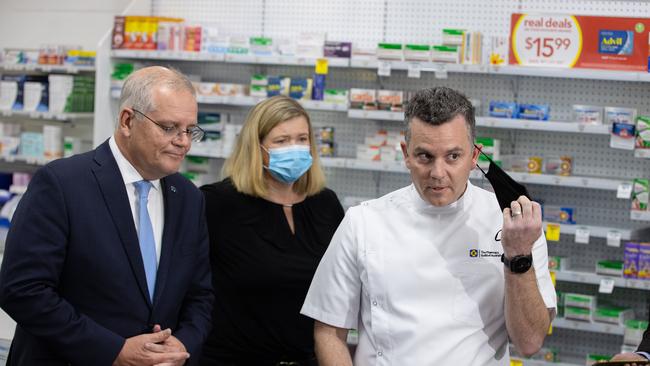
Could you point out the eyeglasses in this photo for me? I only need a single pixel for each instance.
(195, 133)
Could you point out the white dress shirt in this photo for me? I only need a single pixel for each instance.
(155, 204)
(424, 285)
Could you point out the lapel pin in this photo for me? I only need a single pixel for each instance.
(173, 188)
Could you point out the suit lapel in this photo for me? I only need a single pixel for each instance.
(172, 200)
(112, 187)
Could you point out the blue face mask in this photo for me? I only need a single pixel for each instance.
(288, 164)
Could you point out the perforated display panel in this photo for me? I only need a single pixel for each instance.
(419, 21)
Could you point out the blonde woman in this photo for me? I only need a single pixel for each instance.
(270, 221)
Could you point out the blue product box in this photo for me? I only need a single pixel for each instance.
(538, 112)
(277, 85)
(561, 215)
(318, 92)
(615, 42)
(301, 88)
(503, 109)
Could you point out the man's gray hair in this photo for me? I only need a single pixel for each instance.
(138, 87)
(439, 105)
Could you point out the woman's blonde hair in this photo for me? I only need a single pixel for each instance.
(245, 165)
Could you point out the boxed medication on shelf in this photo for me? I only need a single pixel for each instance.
(310, 44)
(445, 54)
(212, 41)
(559, 165)
(581, 301)
(258, 91)
(301, 88)
(72, 146)
(452, 37)
(335, 96)
(278, 85)
(239, 45)
(471, 52)
(634, 330)
(390, 51)
(620, 115)
(640, 194)
(365, 152)
(52, 142)
(490, 147)
(612, 314)
(261, 46)
(622, 136)
(503, 109)
(610, 268)
(588, 114)
(577, 313)
(499, 50)
(642, 132)
(557, 263)
(337, 49)
(558, 214)
(390, 100)
(363, 99)
(259, 80)
(31, 145)
(535, 164)
(536, 112)
(417, 52)
(644, 261)
(631, 260)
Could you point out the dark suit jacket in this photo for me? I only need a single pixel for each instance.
(73, 277)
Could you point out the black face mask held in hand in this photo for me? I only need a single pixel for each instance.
(505, 188)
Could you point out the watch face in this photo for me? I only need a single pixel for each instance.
(521, 264)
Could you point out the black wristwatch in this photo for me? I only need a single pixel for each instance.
(518, 264)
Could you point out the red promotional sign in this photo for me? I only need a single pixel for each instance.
(557, 40)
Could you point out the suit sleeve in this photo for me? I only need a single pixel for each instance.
(29, 278)
(195, 320)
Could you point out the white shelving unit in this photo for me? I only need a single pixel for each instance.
(47, 115)
(593, 327)
(373, 63)
(68, 69)
(595, 279)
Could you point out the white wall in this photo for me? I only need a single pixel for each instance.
(31, 23)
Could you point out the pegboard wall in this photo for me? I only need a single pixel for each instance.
(420, 21)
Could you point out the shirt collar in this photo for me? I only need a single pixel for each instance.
(129, 174)
(464, 201)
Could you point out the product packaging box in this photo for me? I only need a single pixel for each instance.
(631, 260)
(503, 109)
(363, 99)
(610, 268)
(536, 112)
(640, 195)
(642, 132)
(588, 114)
(337, 49)
(562, 215)
(644, 261)
(559, 165)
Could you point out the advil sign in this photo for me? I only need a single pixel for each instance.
(556, 40)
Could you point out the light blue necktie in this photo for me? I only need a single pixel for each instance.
(145, 231)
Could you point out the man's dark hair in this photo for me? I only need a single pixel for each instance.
(439, 105)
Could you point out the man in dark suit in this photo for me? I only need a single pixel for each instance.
(106, 262)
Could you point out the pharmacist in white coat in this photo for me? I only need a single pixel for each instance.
(434, 273)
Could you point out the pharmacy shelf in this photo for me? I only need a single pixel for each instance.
(507, 123)
(68, 69)
(376, 115)
(585, 326)
(373, 63)
(594, 231)
(18, 164)
(595, 279)
(561, 181)
(543, 179)
(574, 73)
(642, 153)
(47, 115)
(231, 58)
(554, 126)
(247, 101)
(575, 361)
(640, 215)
